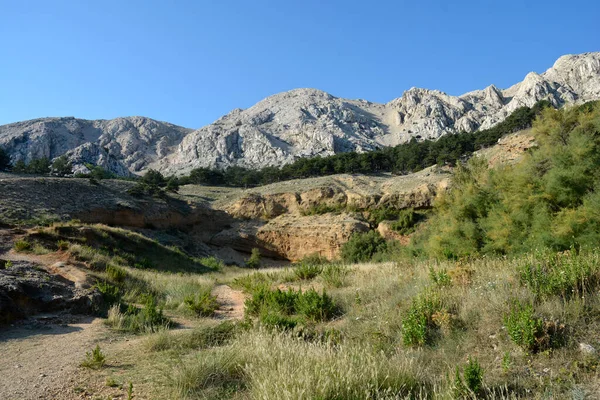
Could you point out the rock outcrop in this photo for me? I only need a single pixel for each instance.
(298, 123)
(296, 236)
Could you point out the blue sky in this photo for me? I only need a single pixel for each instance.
(189, 62)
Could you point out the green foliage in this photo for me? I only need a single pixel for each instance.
(547, 201)
(61, 166)
(203, 304)
(5, 164)
(63, 245)
(254, 260)
(531, 332)
(407, 220)
(567, 275)
(440, 278)
(471, 382)
(401, 159)
(173, 185)
(23, 245)
(203, 337)
(285, 309)
(94, 359)
(362, 246)
(418, 326)
(307, 271)
(38, 166)
(335, 275)
(110, 293)
(213, 263)
(149, 318)
(115, 273)
(154, 178)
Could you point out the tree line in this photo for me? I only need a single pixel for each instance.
(401, 159)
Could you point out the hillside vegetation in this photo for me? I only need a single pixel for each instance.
(497, 296)
(548, 201)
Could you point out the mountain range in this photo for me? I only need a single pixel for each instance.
(293, 124)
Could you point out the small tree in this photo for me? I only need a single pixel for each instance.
(20, 167)
(39, 166)
(154, 178)
(173, 184)
(254, 260)
(62, 166)
(4, 160)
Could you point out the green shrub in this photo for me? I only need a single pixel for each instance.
(418, 325)
(213, 263)
(288, 308)
(61, 166)
(531, 332)
(307, 271)
(254, 260)
(94, 359)
(335, 275)
(110, 293)
(115, 273)
(362, 246)
(471, 382)
(63, 245)
(203, 304)
(566, 275)
(23, 245)
(440, 278)
(315, 307)
(203, 337)
(407, 220)
(149, 318)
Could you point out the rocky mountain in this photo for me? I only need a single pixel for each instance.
(298, 123)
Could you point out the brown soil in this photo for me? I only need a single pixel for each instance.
(231, 302)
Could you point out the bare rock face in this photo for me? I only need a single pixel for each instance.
(295, 236)
(294, 124)
(122, 145)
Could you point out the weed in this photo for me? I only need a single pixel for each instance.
(335, 275)
(307, 271)
(94, 359)
(531, 332)
(440, 278)
(203, 304)
(254, 260)
(63, 245)
(111, 382)
(22, 245)
(115, 273)
(213, 263)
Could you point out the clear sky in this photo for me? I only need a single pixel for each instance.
(190, 61)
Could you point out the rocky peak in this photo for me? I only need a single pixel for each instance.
(297, 123)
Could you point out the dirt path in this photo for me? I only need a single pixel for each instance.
(40, 360)
(231, 302)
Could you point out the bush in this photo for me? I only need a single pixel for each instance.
(285, 309)
(419, 325)
(335, 275)
(213, 263)
(440, 278)
(531, 332)
(150, 318)
(63, 245)
(362, 246)
(94, 359)
(471, 383)
(566, 275)
(23, 245)
(199, 338)
(203, 304)
(254, 260)
(307, 271)
(110, 293)
(62, 166)
(115, 273)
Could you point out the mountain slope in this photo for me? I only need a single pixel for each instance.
(298, 123)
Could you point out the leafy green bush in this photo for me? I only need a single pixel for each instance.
(149, 318)
(63, 245)
(418, 326)
(94, 359)
(61, 166)
(115, 273)
(213, 263)
(285, 309)
(23, 245)
(110, 293)
(307, 271)
(314, 306)
(203, 304)
(440, 278)
(471, 383)
(254, 260)
(335, 275)
(531, 332)
(362, 246)
(566, 275)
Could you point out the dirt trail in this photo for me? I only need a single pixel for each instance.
(231, 302)
(41, 361)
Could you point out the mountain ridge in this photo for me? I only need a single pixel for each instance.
(293, 124)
